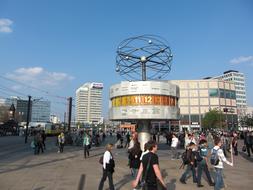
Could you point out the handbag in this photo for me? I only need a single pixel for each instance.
(101, 158)
(244, 148)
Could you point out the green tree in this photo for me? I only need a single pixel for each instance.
(213, 119)
(246, 121)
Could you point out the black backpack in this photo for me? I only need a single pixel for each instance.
(186, 157)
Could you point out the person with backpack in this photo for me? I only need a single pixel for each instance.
(108, 167)
(189, 159)
(202, 163)
(150, 169)
(217, 159)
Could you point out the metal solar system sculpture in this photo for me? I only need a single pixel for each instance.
(145, 57)
(144, 98)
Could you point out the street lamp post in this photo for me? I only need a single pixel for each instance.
(28, 117)
(226, 111)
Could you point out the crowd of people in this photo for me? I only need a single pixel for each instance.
(201, 152)
(198, 153)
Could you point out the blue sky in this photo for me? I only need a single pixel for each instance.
(59, 45)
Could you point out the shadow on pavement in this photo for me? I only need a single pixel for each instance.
(81, 182)
(127, 178)
(35, 165)
(39, 188)
(172, 184)
(245, 156)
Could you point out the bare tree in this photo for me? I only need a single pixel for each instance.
(4, 114)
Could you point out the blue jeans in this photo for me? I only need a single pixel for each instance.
(134, 172)
(189, 169)
(203, 167)
(219, 183)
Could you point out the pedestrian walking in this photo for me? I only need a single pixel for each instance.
(43, 136)
(202, 163)
(108, 168)
(248, 141)
(35, 143)
(127, 139)
(40, 143)
(61, 141)
(86, 145)
(134, 158)
(217, 159)
(189, 159)
(224, 144)
(174, 144)
(150, 169)
(235, 144)
(209, 140)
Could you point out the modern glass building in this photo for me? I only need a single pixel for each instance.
(89, 103)
(240, 90)
(40, 111)
(199, 96)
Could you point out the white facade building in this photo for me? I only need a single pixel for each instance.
(89, 103)
(240, 89)
(197, 97)
(54, 119)
(249, 111)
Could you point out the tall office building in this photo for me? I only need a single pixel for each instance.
(239, 80)
(89, 103)
(197, 97)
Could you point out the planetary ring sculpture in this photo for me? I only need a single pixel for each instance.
(146, 57)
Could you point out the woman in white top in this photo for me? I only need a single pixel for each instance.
(219, 183)
(108, 168)
(174, 144)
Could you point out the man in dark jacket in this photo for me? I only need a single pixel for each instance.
(248, 141)
(134, 158)
(190, 164)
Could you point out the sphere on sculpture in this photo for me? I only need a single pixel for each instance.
(146, 57)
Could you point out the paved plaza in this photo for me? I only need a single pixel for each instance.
(21, 170)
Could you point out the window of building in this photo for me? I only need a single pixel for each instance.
(194, 118)
(233, 95)
(184, 118)
(222, 93)
(228, 94)
(213, 93)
